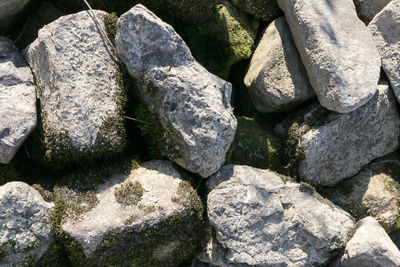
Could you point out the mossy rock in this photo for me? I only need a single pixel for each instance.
(254, 145)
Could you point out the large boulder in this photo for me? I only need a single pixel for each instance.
(328, 147)
(191, 105)
(79, 89)
(367, 9)
(149, 217)
(338, 52)
(374, 191)
(266, 10)
(9, 9)
(25, 225)
(262, 221)
(370, 246)
(276, 79)
(17, 100)
(385, 29)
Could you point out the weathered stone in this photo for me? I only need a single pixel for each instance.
(261, 220)
(338, 52)
(385, 29)
(8, 10)
(374, 191)
(147, 218)
(266, 10)
(79, 89)
(276, 79)
(17, 100)
(367, 9)
(370, 246)
(25, 229)
(330, 147)
(191, 104)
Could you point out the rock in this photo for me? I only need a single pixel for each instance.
(254, 145)
(338, 52)
(191, 104)
(17, 100)
(329, 147)
(370, 246)
(25, 229)
(79, 89)
(385, 29)
(374, 191)
(262, 221)
(147, 218)
(266, 10)
(276, 79)
(8, 11)
(367, 9)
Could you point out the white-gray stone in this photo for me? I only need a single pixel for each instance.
(191, 104)
(385, 29)
(78, 87)
(277, 79)
(25, 225)
(262, 221)
(370, 247)
(367, 9)
(338, 52)
(336, 146)
(8, 10)
(159, 196)
(17, 100)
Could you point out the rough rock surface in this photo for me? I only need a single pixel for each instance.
(330, 147)
(17, 100)
(385, 29)
(8, 10)
(338, 52)
(191, 104)
(25, 230)
(277, 79)
(374, 191)
(367, 9)
(261, 220)
(370, 246)
(78, 87)
(266, 10)
(146, 218)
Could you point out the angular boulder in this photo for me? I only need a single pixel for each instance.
(79, 89)
(329, 147)
(266, 10)
(8, 10)
(25, 225)
(338, 52)
(367, 9)
(17, 100)
(385, 28)
(374, 191)
(147, 218)
(276, 79)
(261, 220)
(370, 246)
(191, 104)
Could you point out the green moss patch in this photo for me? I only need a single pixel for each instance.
(129, 193)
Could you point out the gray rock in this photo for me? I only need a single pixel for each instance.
(262, 221)
(370, 246)
(374, 191)
(277, 79)
(191, 104)
(150, 211)
(386, 32)
(79, 90)
(8, 10)
(330, 147)
(17, 100)
(367, 9)
(25, 229)
(266, 10)
(338, 52)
